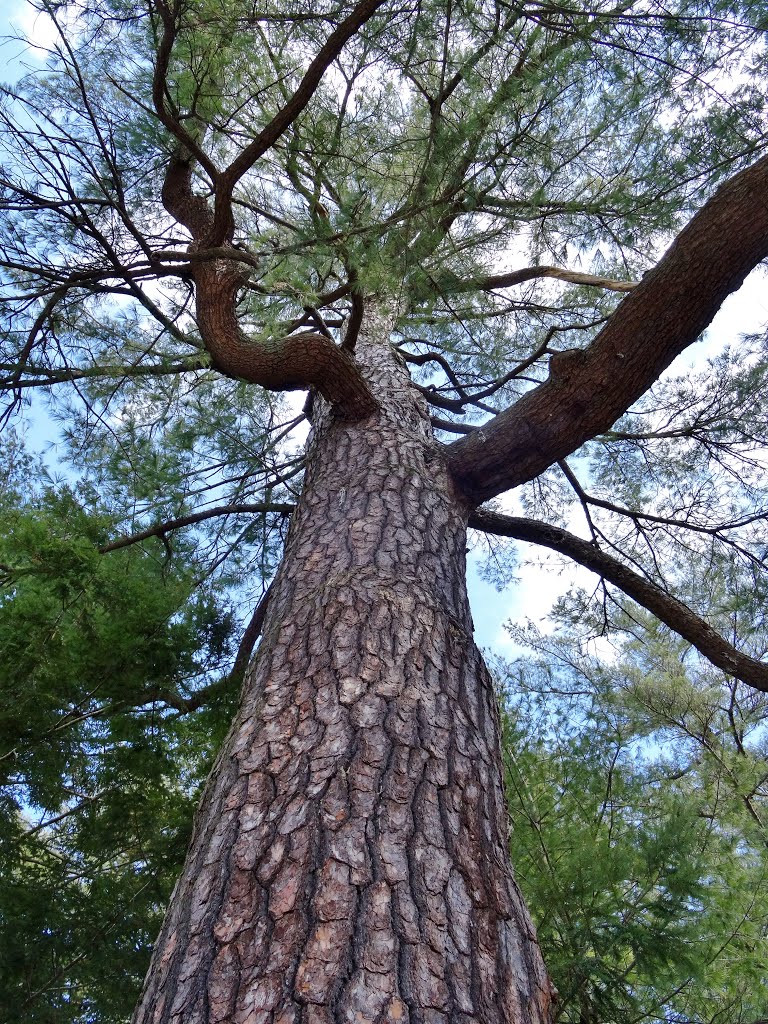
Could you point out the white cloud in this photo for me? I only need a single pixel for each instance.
(27, 23)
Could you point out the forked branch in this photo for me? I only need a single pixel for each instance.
(296, 362)
(360, 14)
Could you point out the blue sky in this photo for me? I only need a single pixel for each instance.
(18, 17)
(538, 585)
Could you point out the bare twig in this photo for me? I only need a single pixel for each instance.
(161, 529)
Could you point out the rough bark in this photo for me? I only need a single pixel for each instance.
(587, 390)
(350, 855)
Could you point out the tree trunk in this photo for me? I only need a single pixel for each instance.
(350, 857)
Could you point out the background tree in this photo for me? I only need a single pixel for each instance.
(640, 848)
(419, 213)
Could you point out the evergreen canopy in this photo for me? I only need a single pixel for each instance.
(201, 200)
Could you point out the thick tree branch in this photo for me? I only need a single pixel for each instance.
(297, 362)
(354, 323)
(589, 389)
(668, 609)
(456, 428)
(513, 277)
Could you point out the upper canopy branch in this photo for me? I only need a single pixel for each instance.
(298, 361)
(514, 277)
(668, 609)
(285, 117)
(589, 389)
(168, 116)
(220, 226)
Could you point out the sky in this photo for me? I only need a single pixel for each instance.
(19, 17)
(543, 579)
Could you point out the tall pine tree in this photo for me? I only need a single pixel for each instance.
(442, 221)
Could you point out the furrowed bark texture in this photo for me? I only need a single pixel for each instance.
(350, 856)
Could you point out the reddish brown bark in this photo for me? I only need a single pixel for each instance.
(350, 855)
(296, 362)
(667, 311)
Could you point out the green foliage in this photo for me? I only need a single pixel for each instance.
(81, 899)
(100, 768)
(646, 871)
(79, 629)
(638, 786)
(446, 143)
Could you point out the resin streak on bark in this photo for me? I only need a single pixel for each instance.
(350, 857)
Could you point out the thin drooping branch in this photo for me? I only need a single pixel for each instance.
(487, 391)
(719, 530)
(161, 529)
(588, 390)
(175, 700)
(203, 696)
(171, 698)
(43, 377)
(420, 358)
(200, 698)
(668, 609)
